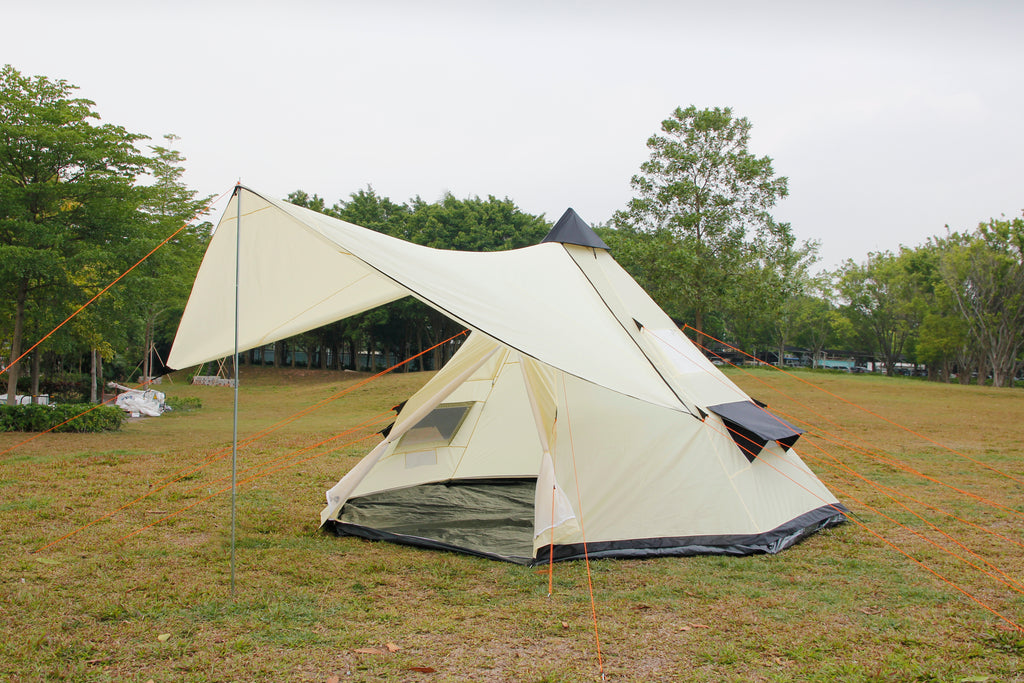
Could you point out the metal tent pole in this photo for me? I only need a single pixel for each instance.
(234, 425)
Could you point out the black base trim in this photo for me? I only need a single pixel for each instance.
(771, 542)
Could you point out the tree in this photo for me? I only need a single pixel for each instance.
(370, 210)
(405, 326)
(884, 301)
(818, 323)
(67, 191)
(942, 343)
(474, 224)
(701, 195)
(984, 272)
(161, 285)
(769, 287)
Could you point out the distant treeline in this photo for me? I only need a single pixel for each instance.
(82, 201)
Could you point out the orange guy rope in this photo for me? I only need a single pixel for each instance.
(892, 545)
(870, 412)
(809, 439)
(243, 481)
(583, 534)
(837, 440)
(1009, 581)
(103, 291)
(223, 453)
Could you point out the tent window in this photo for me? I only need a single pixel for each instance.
(420, 459)
(438, 427)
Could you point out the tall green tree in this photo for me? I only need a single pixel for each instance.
(404, 327)
(941, 344)
(703, 197)
(984, 272)
(474, 224)
(769, 289)
(67, 188)
(818, 324)
(370, 210)
(884, 301)
(160, 287)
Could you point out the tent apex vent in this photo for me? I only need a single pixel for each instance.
(571, 229)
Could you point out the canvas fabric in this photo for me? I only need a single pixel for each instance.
(573, 385)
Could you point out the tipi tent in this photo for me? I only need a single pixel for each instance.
(576, 412)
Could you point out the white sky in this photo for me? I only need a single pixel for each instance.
(890, 119)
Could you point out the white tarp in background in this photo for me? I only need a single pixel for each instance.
(137, 402)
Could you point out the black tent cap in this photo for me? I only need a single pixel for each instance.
(571, 229)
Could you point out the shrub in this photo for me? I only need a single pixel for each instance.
(65, 388)
(183, 403)
(36, 418)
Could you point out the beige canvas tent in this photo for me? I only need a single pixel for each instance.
(575, 412)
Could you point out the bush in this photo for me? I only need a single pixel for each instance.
(36, 418)
(64, 388)
(183, 403)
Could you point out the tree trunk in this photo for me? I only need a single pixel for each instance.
(92, 376)
(419, 347)
(698, 323)
(36, 359)
(147, 353)
(19, 326)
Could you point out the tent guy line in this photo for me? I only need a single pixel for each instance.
(888, 460)
(872, 413)
(225, 452)
(103, 291)
(891, 494)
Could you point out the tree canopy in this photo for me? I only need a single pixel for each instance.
(402, 328)
(81, 200)
(74, 210)
(699, 234)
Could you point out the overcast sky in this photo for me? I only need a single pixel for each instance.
(890, 119)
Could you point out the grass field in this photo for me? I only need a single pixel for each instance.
(138, 596)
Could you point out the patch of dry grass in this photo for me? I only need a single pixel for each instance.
(98, 606)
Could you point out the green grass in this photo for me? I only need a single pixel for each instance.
(842, 606)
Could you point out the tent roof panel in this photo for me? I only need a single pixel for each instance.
(534, 299)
